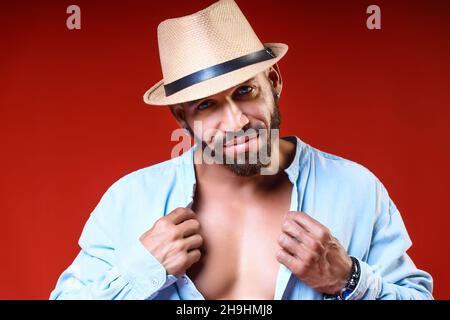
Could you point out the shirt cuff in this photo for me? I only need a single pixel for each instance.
(146, 275)
(369, 284)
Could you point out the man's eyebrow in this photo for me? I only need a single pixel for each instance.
(191, 103)
(247, 81)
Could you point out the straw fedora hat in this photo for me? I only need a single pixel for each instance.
(208, 52)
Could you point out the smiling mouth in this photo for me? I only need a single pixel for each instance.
(241, 140)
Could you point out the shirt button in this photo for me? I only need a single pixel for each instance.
(155, 282)
(185, 280)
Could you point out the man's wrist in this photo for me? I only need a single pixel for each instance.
(351, 282)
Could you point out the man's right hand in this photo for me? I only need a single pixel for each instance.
(175, 240)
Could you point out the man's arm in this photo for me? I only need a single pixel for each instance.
(98, 272)
(149, 264)
(317, 258)
(388, 272)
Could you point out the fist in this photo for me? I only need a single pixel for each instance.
(313, 254)
(175, 241)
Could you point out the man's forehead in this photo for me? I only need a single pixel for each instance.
(190, 103)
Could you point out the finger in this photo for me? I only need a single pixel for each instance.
(289, 244)
(193, 242)
(286, 259)
(180, 214)
(189, 227)
(193, 257)
(298, 249)
(309, 224)
(294, 229)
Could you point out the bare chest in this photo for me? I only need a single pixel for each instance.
(240, 244)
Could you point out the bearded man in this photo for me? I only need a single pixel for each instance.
(243, 214)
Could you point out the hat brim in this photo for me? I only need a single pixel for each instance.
(156, 95)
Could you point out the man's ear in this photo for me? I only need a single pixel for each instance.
(274, 77)
(180, 117)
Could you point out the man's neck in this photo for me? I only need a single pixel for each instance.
(208, 175)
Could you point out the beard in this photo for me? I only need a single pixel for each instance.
(248, 164)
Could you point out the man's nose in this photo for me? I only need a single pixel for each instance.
(232, 118)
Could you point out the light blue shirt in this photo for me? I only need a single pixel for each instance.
(342, 195)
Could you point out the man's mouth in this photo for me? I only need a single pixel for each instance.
(241, 140)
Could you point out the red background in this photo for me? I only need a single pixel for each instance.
(72, 120)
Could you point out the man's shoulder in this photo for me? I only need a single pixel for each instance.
(342, 171)
(155, 175)
(343, 183)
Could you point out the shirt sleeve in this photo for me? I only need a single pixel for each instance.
(388, 272)
(100, 272)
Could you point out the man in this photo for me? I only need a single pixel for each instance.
(242, 214)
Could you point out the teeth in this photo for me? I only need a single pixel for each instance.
(241, 140)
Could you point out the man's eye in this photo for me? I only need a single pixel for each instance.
(244, 90)
(204, 105)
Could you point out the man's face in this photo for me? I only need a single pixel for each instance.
(228, 125)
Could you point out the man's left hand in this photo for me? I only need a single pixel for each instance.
(313, 254)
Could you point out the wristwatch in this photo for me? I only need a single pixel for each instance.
(352, 282)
